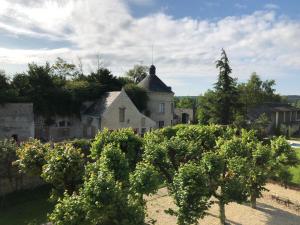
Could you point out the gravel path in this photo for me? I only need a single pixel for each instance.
(268, 211)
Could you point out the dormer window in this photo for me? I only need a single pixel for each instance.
(161, 108)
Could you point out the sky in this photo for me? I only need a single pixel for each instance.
(261, 36)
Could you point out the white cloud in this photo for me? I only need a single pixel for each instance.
(262, 41)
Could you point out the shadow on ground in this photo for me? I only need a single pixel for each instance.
(278, 216)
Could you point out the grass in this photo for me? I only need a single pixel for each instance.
(296, 170)
(24, 207)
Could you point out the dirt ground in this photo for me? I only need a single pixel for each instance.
(268, 211)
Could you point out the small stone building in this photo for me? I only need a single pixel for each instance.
(161, 99)
(183, 116)
(16, 119)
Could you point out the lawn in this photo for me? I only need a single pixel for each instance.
(25, 207)
(296, 170)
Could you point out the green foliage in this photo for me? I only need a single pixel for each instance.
(259, 165)
(7, 157)
(64, 167)
(191, 193)
(284, 156)
(125, 139)
(295, 170)
(138, 96)
(176, 155)
(206, 112)
(7, 92)
(185, 102)
(225, 91)
(145, 179)
(69, 211)
(58, 88)
(255, 91)
(260, 125)
(63, 69)
(31, 157)
(137, 73)
(83, 144)
(106, 197)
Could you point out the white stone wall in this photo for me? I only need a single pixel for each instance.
(71, 129)
(133, 118)
(155, 98)
(16, 118)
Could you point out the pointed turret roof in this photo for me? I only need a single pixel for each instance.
(152, 82)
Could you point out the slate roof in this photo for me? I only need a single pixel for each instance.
(153, 83)
(99, 106)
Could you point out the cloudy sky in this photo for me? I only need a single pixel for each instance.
(258, 35)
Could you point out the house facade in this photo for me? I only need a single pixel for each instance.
(161, 99)
(114, 111)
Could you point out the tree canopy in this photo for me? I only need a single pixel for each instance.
(61, 88)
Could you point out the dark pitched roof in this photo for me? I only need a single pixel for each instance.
(153, 83)
(268, 108)
(99, 106)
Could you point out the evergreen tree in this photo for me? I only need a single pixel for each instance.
(226, 91)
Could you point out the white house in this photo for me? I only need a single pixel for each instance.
(161, 99)
(115, 110)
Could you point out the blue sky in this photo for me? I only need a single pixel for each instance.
(187, 36)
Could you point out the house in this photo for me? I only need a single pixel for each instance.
(282, 116)
(161, 99)
(115, 110)
(16, 120)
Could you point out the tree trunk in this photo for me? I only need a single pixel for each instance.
(222, 212)
(253, 201)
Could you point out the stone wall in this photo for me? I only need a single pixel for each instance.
(21, 182)
(61, 128)
(16, 119)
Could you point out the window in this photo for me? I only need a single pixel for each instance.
(172, 107)
(161, 108)
(61, 123)
(161, 124)
(143, 121)
(122, 115)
